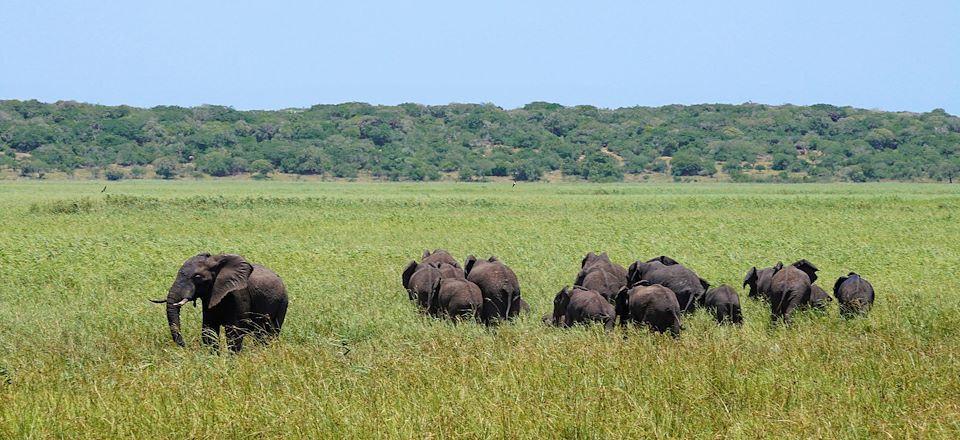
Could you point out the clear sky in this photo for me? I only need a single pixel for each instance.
(890, 55)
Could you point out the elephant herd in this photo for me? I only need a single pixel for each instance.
(654, 293)
(244, 298)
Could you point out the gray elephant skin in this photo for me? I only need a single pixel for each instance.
(650, 304)
(582, 306)
(600, 274)
(663, 270)
(456, 297)
(421, 280)
(759, 282)
(819, 300)
(790, 288)
(854, 294)
(240, 297)
(724, 302)
(499, 287)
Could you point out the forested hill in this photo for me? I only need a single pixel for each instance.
(471, 141)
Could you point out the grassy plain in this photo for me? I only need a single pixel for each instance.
(84, 355)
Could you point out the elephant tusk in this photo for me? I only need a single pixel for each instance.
(158, 301)
(182, 302)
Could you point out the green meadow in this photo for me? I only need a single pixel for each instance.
(83, 354)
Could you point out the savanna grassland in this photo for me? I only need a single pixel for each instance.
(84, 355)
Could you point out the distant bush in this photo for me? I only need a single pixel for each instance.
(115, 173)
(415, 142)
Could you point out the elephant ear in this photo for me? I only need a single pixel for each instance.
(621, 301)
(492, 259)
(408, 272)
(751, 276)
(667, 261)
(233, 275)
(705, 284)
(807, 268)
(580, 276)
(468, 264)
(433, 299)
(836, 286)
(590, 255)
(633, 272)
(426, 253)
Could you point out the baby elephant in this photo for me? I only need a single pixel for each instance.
(854, 294)
(650, 304)
(580, 306)
(818, 298)
(456, 297)
(725, 304)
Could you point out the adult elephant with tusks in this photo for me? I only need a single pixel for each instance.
(499, 287)
(669, 273)
(242, 298)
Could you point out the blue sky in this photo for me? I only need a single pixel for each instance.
(277, 54)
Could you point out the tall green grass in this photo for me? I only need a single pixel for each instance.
(84, 355)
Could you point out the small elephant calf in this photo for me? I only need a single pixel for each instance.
(725, 304)
(818, 298)
(854, 294)
(580, 306)
(649, 304)
(455, 296)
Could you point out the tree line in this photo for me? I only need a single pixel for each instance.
(476, 141)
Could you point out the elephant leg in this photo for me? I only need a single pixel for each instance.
(210, 335)
(789, 307)
(234, 338)
(719, 315)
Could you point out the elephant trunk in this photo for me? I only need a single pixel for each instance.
(173, 319)
(180, 292)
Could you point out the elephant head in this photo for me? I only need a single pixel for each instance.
(560, 304)
(751, 280)
(208, 278)
(635, 272)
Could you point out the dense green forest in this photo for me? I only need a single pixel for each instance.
(475, 141)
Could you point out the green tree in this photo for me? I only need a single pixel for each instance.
(115, 173)
(687, 163)
(216, 163)
(261, 168)
(165, 167)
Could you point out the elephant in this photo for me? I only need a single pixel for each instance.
(580, 306)
(499, 286)
(725, 304)
(854, 294)
(790, 288)
(421, 282)
(663, 270)
(759, 282)
(450, 271)
(818, 298)
(650, 304)
(236, 295)
(455, 296)
(602, 262)
(603, 282)
(438, 257)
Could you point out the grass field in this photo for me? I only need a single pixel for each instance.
(84, 355)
